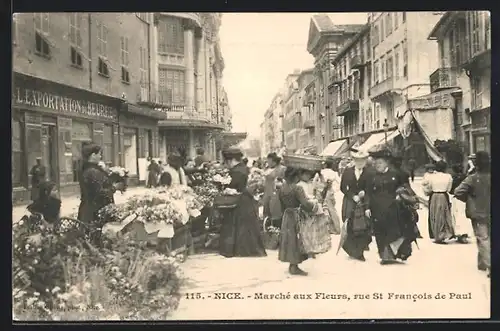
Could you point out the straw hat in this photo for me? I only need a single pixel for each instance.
(359, 154)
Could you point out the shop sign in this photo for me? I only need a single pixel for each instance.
(59, 103)
(433, 101)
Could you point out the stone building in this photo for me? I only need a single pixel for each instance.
(291, 111)
(324, 41)
(463, 78)
(123, 80)
(306, 135)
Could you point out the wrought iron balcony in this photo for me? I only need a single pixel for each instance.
(357, 62)
(348, 106)
(335, 80)
(309, 124)
(379, 89)
(443, 78)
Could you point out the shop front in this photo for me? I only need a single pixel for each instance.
(138, 138)
(480, 130)
(186, 136)
(51, 121)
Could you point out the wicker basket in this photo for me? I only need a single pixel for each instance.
(226, 201)
(271, 239)
(307, 162)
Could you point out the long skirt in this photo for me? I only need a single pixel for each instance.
(240, 230)
(440, 216)
(290, 250)
(358, 234)
(332, 212)
(395, 232)
(461, 224)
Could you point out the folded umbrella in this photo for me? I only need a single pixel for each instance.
(343, 235)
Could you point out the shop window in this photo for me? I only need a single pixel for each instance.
(107, 145)
(130, 145)
(80, 133)
(17, 154)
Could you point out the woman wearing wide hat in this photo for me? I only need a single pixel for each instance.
(240, 233)
(354, 184)
(393, 232)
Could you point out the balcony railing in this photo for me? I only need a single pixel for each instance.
(335, 79)
(443, 78)
(381, 88)
(309, 124)
(357, 62)
(348, 106)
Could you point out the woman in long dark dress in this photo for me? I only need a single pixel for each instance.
(240, 233)
(394, 232)
(47, 204)
(293, 198)
(96, 189)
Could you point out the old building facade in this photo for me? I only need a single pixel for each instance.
(306, 135)
(291, 111)
(111, 78)
(324, 41)
(464, 43)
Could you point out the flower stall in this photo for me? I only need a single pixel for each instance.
(162, 213)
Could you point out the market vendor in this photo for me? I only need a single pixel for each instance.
(174, 173)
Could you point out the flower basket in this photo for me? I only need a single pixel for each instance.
(227, 201)
(307, 162)
(270, 235)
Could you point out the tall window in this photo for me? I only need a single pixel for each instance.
(396, 61)
(382, 29)
(102, 49)
(454, 38)
(396, 21)
(389, 66)
(376, 76)
(388, 24)
(404, 16)
(476, 33)
(124, 59)
(477, 93)
(102, 39)
(42, 29)
(75, 32)
(143, 65)
(172, 89)
(17, 153)
(405, 58)
(107, 144)
(382, 68)
(170, 35)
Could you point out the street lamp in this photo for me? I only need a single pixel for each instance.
(386, 128)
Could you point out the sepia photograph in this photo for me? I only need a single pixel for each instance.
(182, 166)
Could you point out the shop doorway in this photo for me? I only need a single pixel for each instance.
(49, 152)
(150, 144)
(131, 150)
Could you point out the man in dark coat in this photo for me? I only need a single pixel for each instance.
(354, 184)
(37, 173)
(200, 158)
(412, 167)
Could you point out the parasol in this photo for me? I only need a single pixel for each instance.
(343, 236)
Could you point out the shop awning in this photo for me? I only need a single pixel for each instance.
(343, 149)
(332, 147)
(374, 140)
(429, 144)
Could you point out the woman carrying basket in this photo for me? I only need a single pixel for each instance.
(298, 209)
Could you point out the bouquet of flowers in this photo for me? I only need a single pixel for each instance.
(213, 184)
(187, 195)
(119, 175)
(256, 182)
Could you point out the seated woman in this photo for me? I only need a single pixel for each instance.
(47, 203)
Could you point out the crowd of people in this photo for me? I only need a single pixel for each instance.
(300, 199)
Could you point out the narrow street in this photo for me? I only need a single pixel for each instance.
(432, 269)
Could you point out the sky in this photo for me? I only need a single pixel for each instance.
(260, 50)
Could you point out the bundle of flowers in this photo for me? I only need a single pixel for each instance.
(187, 195)
(206, 193)
(256, 182)
(119, 175)
(60, 277)
(214, 181)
